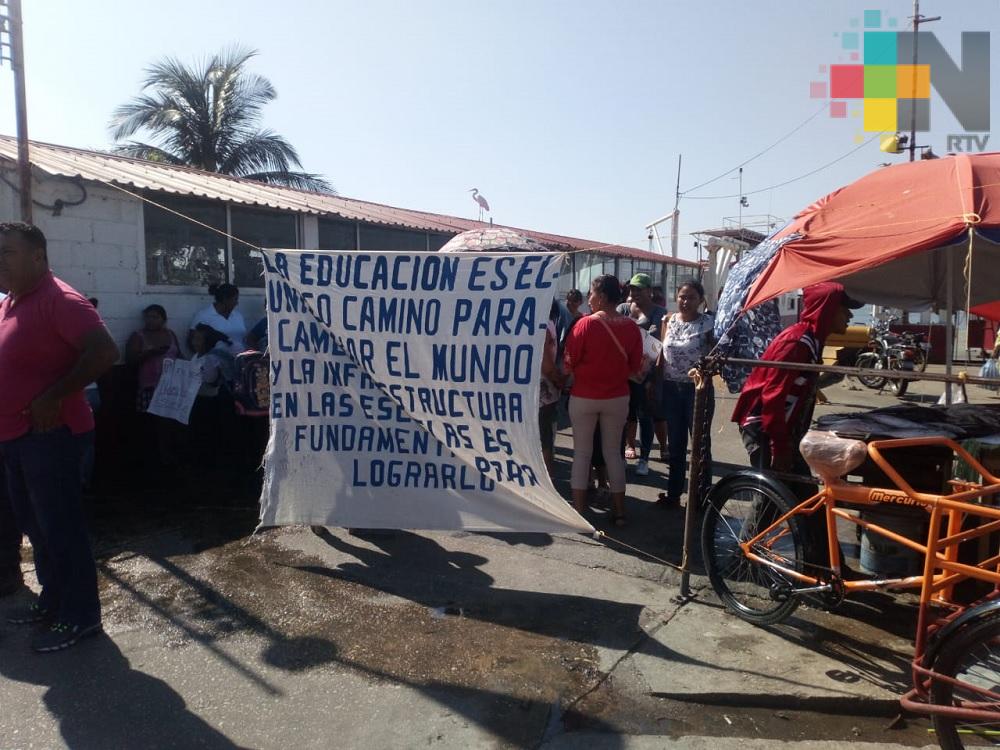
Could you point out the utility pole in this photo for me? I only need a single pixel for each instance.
(677, 211)
(917, 20)
(673, 217)
(13, 51)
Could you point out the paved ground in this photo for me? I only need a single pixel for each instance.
(402, 639)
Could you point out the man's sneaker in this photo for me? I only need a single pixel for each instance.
(642, 467)
(29, 615)
(62, 635)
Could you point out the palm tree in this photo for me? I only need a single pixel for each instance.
(207, 117)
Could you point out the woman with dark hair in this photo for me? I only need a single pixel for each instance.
(602, 351)
(687, 337)
(147, 348)
(145, 351)
(223, 316)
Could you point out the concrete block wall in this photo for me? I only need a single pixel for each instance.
(98, 247)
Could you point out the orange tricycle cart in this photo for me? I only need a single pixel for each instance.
(765, 549)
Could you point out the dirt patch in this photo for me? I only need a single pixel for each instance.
(256, 587)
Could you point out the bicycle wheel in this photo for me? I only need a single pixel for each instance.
(872, 361)
(740, 507)
(972, 657)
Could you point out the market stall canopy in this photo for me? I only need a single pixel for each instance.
(990, 311)
(887, 237)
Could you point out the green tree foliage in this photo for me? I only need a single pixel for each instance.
(207, 116)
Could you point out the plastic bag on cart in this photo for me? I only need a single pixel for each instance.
(958, 394)
(830, 456)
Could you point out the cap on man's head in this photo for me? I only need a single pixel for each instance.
(641, 280)
(851, 303)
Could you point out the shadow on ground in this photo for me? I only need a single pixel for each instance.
(420, 570)
(100, 701)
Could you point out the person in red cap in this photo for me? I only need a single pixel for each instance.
(775, 407)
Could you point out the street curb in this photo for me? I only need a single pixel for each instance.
(840, 705)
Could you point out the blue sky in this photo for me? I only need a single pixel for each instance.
(568, 116)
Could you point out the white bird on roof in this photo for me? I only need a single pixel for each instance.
(481, 200)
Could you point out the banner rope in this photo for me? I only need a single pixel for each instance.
(144, 199)
(601, 535)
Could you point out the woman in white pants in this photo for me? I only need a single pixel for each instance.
(602, 351)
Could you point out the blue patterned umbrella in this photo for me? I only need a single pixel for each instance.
(746, 334)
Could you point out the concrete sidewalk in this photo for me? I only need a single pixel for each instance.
(403, 639)
(453, 640)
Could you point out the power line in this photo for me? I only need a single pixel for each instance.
(787, 182)
(783, 138)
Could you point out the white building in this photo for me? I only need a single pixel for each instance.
(113, 233)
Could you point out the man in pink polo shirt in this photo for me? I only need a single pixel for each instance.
(52, 344)
(11, 579)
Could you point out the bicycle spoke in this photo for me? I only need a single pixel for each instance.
(737, 519)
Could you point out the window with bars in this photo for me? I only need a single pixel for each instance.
(180, 252)
(270, 229)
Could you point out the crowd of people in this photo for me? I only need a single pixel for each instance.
(621, 372)
(625, 369)
(218, 341)
(618, 388)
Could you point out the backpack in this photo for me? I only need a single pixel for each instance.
(252, 386)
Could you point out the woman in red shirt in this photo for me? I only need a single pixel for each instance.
(602, 351)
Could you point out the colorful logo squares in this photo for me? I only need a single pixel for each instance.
(881, 87)
(847, 81)
(880, 81)
(880, 47)
(880, 114)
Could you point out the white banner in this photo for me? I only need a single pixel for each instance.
(176, 390)
(404, 391)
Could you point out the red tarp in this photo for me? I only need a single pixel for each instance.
(874, 234)
(990, 311)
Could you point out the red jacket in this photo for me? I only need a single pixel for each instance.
(781, 400)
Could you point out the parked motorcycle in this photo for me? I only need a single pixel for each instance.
(886, 352)
(919, 348)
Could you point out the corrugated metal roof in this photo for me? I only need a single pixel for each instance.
(105, 168)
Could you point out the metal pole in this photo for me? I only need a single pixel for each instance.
(677, 210)
(856, 371)
(949, 325)
(694, 479)
(21, 107)
(913, 98)
(741, 203)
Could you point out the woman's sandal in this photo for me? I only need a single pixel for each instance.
(630, 453)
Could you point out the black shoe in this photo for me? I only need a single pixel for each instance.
(30, 615)
(664, 501)
(62, 635)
